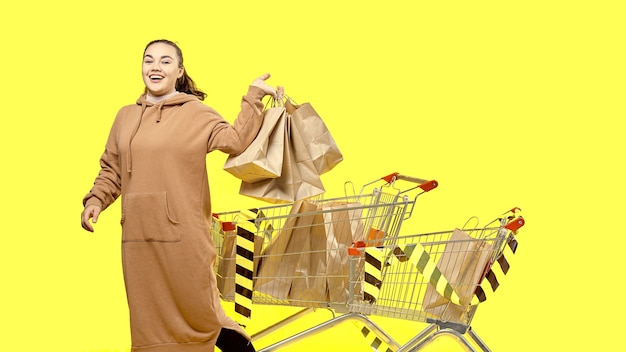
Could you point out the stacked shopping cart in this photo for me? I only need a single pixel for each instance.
(347, 254)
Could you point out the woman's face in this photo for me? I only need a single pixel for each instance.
(161, 69)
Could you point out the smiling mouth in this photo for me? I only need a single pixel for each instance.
(155, 78)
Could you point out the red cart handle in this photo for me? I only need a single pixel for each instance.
(425, 185)
(515, 224)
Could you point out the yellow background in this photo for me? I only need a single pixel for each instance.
(504, 103)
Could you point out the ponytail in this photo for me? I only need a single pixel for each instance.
(187, 85)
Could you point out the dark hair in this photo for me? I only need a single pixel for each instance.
(183, 84)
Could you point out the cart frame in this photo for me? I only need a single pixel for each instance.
(389, 290)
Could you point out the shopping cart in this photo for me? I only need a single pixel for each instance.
(436, 278)
(291, 254)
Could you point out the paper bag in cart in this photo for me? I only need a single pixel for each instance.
(299, 178)
(263, 159)
(226, 263)
(344, 226)
(281, 258)
(308, 288)
(462, 263)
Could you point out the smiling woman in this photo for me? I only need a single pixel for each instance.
(155, 158)
(163, 71)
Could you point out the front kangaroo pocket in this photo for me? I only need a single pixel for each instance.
(146, 218)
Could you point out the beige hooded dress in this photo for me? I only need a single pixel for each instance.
(155, 158)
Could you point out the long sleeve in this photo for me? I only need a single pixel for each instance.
(234, 139)
(107, 185)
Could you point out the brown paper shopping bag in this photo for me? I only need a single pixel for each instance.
(280, 259)
(462, 263)
(316, 137)
(226, 263)
(299, 178)
(263, 158)
(343, 225)
(308, 288)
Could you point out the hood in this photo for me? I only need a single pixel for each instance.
(177, 99)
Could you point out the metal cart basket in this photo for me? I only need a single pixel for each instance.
(438, 278)
(296, 254)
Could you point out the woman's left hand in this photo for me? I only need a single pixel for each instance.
(269, 90)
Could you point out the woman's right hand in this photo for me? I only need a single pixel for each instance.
(90, 212)
(277, 93)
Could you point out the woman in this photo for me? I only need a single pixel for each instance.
(155, 157)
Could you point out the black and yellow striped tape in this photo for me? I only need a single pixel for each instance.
(498, 269)
(420, 258)
(373, 275)
(244, 271)
(244, 261)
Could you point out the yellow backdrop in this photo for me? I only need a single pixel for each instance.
(504, 103)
